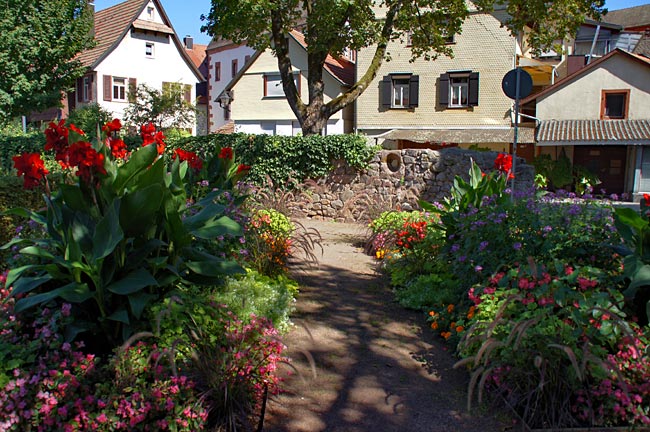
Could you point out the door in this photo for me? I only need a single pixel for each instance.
(607, 162)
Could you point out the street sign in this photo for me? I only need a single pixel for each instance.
(509, 84)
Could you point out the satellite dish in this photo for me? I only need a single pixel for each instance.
(509, 83)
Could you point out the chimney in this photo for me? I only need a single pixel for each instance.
(189, 42)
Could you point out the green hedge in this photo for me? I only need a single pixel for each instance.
(12, 145)
(283, 158)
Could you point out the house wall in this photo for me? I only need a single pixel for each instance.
(484, 47)
(584, 93)
(255, 113)
(223, 55)
(128, 60)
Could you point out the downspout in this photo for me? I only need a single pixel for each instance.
(593, 44)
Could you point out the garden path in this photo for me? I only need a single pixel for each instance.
(376, 367)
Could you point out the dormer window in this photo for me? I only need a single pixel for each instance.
(151, 13)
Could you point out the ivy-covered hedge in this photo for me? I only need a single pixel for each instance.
(283, 158)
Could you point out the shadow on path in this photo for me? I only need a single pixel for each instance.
(364, 363)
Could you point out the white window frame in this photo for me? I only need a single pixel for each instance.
(458, 87)
(151, 13)
(86, 89)
(149, 49)
(400, 93)
(119, 89)
(273, 82)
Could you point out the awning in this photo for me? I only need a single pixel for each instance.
(462, 136)
(593, 132)
(540, 72)
(152, 26)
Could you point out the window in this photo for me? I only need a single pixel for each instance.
(149, 49)
(400, 91)
(614, 103)
(235, 67)
(458, 89)
(119, 89)
(86, 89)
(246, 58)
(217, 71)
(273, 85)
(150, 13)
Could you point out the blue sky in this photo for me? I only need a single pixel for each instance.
(185, 14)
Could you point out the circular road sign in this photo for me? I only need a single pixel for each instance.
(509, 83)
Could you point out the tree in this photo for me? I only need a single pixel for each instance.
(40, 39)
(165, 109)
(331, 26)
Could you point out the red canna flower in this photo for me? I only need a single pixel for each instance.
(243, 168)
(88, 162)
(118, 147)
(75, 129)
(646, 199)
(192, 158)
(112, 126)
(160, 143)
(503, 163)
(56, 137)
(32, 167)
(226, 153)
(147, 131)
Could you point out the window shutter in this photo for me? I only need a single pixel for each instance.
(133, 84)
(385, 91)
(80, 83)
(93, 93)
(443, 90)
(188, 93)
(414, 90)
(472, 98)
(108, 88)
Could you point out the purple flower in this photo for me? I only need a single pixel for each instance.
(483, 245)
(462, 258)
(516, 246)
(455, 247)
(478, 269)
(242, 240)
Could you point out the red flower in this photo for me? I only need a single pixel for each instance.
(112, 126)
(32, 167)
(118, 147)
(75, 129)
(243, 168)
(56, 137)
(160, 144)
(88, 162)
(646, 198)
(503, 163)
(225, 153)
(147, 131)
(192, 158)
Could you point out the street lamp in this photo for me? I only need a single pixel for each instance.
(225, 98)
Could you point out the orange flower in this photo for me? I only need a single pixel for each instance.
(452, 325)
(445, 335)
(434, 325)
(450, 308)
(460, 329)
(432, 313)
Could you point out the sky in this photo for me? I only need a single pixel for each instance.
(185, 14)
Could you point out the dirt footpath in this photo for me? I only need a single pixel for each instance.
(362, 362)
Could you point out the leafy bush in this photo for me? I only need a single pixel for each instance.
(90, 118)
(284, 158)
(268, 236)
(11, 145)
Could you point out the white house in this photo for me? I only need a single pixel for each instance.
(136, 44)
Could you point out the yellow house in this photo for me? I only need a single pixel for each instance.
(256, 102)
(455, 101)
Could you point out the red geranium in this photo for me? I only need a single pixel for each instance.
(112, 126)
(243, 168)
(88, 161)
(503, 163)
(192, 158)
(225, 153)
(32, 167)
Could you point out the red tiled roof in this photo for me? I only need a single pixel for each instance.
(622, 132)
(197, 54)
(110, 25)
(340, 68)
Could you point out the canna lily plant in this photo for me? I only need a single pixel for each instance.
(120, 232)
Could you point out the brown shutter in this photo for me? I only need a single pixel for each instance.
(472, 97)
(386, 91)
(188, 93)
(443, 90)
(133, 83)
(108, 88)
(80, 83)
(414, 90)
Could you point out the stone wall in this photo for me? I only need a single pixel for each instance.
(395, 179)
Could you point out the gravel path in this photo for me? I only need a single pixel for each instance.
(363, 363)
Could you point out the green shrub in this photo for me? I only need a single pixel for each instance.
(11, 145)
(90, 118)
(268, 237)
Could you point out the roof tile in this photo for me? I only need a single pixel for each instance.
(594, 131)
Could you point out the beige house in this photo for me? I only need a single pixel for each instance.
(255, 101)
(599, 117)
(448, 101)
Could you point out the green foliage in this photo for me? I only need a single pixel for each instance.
(165, 109)
(284, 159)
(561, 174)
(13, 144)
(90, 118)
(269, 239)
(40, 41)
